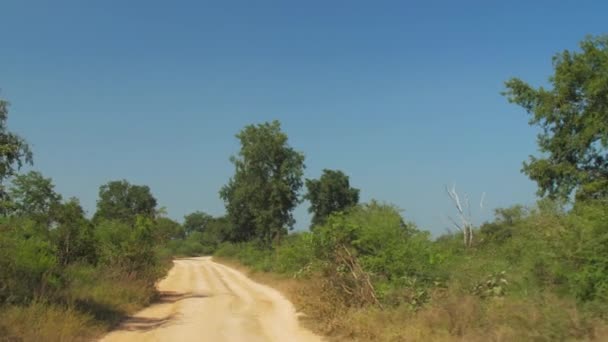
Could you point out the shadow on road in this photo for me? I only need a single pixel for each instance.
(167, 297)
(146, 323)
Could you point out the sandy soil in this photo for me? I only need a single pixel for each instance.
(205, 301)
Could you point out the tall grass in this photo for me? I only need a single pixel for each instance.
(94, 301)
(41, 321)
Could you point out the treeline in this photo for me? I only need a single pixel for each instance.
(65, 276)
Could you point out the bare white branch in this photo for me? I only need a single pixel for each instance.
(464, 214)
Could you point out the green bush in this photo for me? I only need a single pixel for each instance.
(585, 249)
(131, 248)
(386, 246)
(191, 246)
(27, 262)
(251, 254)
(295, 255)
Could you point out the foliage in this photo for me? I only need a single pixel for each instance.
(63, 277)
(296, 255)
(495, 285)
(216, 231)
(573, 115)
(74, 235)
(131, 248)
(206, 233)
(263, 192)
(14, 150)
(501, 228)
(122, 201)
(545, 280)
(27, 260)
(196, 222)
(33, 195)
(377, 234)
(330, 193)
(165, 230)
(584, 248)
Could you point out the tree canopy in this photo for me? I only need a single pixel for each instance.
(122, 201)
(573, 116)
(196, 222)
(74, 236)
(14, 150)
(264, 190)
(330, 193)
(33, 195)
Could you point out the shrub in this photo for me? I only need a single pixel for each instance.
(27, 261)
(295, 255)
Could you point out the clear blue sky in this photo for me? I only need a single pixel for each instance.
(402, 96)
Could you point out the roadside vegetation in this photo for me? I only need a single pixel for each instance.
(362, 271)
(67, 277)
(537, 273)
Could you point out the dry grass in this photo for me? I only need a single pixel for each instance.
(448, 316)
(44, 322)
(93, 304)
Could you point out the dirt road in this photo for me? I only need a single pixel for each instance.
(205, 301)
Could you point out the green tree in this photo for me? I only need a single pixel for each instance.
(196, 222)
(573, 116)
(27, 261)
(215, 231)
(128, 246)
(32, 195)
(122, 201)
(14, 152)
(330, 193)
(264, 190)
(74, 236)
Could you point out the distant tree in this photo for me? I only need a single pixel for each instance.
(503, 226)
(216, 231)
(196, 222)
(74, 237)
(573, 115)
(122, 201)
(330, 193)
(32, 195)
(264, 190)
(166, 229)
(14, 152)
(511, 215)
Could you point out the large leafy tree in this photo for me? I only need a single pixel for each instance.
(14, 151)
(122, 201)
(264, 190)
(573, 116)
(330, 193)
(216, 231)
(34, 196)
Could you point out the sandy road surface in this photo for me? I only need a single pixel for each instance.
(205, 301)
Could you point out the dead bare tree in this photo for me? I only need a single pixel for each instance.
(464, 214)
